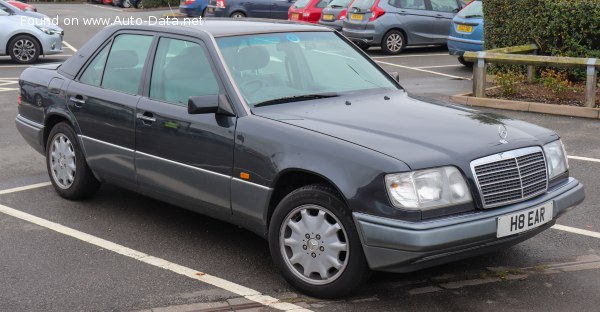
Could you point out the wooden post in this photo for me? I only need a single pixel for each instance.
(479, 73)
(530, 73)
(590, 84)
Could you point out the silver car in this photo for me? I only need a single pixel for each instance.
(27, 35)
(395, 24)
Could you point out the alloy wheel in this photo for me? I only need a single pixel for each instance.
(24, 50)
(62, 161)
(394, 42)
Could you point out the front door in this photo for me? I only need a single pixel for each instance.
(185, 158)
(103, 100)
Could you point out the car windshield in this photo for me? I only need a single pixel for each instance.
(475, 9)
(339, 3)
(301, 3)
(363, 5)
(300, 65)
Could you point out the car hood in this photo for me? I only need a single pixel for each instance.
(419, 133)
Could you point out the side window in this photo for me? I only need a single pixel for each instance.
(93, 73)
(123, 70)
(181, 69)
(409, 4)
(444, 6)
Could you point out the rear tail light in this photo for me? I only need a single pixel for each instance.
(188, 2)
(376, 11)
(221, 4)
(306, 14)
(19, 100)
(343, 14)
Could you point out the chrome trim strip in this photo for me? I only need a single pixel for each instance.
(106, 143)
(253, 184)
(465, 40)
(513, 154)
(184, 165)
(29, 123)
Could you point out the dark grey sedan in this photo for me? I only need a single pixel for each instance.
(292, 132)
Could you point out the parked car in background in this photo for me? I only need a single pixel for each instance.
(466, 31)
(275, 9)
(290, 131)
(127, 3)
(23, 6)
(334, 14)
(107, 2)
(395, 24)
(193, 8)
(307, 10)
(25, 41)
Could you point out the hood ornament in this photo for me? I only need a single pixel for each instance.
(503, 133)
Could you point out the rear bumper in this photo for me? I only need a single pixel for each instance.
(458, 46)
(217, 12)
(337, 24)
(367, 36)
(398, 246)
(32, 132)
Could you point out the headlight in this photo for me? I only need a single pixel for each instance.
(556, 158)
(427, 189)
(48, 30)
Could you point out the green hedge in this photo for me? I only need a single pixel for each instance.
(146, 4)
(558, 27)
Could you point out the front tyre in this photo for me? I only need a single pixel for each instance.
(24, 49)
(315, 244)
(67, 168)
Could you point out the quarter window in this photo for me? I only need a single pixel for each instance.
(123, 70)
(93, 73)
(181, 69)
(409, 4)
(444, 5)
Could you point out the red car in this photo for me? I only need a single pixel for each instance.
(107, 2)
(23, 6)
(307, 10)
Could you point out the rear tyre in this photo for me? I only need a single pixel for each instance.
(462, 60)
(238, 14)
(393, 42)
(315, 244)
(203, 14)
(24, 49)
(126, 4)
(67, 168)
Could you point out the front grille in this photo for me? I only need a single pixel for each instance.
(511, 176)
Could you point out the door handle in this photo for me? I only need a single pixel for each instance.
(147, 118)
(78, 100)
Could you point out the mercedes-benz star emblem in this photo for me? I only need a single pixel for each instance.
(503, 133)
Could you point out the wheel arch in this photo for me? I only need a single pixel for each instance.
(52, 120)
(25, 34)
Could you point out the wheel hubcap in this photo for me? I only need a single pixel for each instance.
(314, 244)
(394, 42)
(24, 50)
(62, 161)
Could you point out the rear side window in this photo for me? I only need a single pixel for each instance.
(444, 5)
(93, 73)
(125, 63)
(181, 69)
(409, 4)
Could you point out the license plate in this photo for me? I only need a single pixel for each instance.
(356, 17)
(525, 220)
(295, 16)
(327, 17)
(211, 10)
(464, 28)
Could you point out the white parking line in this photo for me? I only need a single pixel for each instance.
(104, 7)
(576, 230)
(440, 66)
(584, 158)
(8, 89)
(423, 70)
(69, 46)
(410, 55)
(240, 290)
(24, 188)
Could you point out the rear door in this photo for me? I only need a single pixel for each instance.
(416, 19)
(279, 8)
(258, 8)
(443, 11)
(181, 157)
(103, 99)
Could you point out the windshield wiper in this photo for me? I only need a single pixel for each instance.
(297, 98)
(336, 6)
(356, 8)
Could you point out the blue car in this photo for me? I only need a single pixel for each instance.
(193, 8)
(466, 31)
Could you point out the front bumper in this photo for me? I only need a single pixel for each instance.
(51, 44)
(366, 36)
(399, 246)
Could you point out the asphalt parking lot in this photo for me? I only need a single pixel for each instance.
(120, 251)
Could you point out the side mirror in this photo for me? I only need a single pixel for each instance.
(210, 104)
(395, 76)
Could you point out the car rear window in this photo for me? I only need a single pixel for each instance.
(475, 9)
(363, 5)
(322, 4)
(301, 3)
(339, 3)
